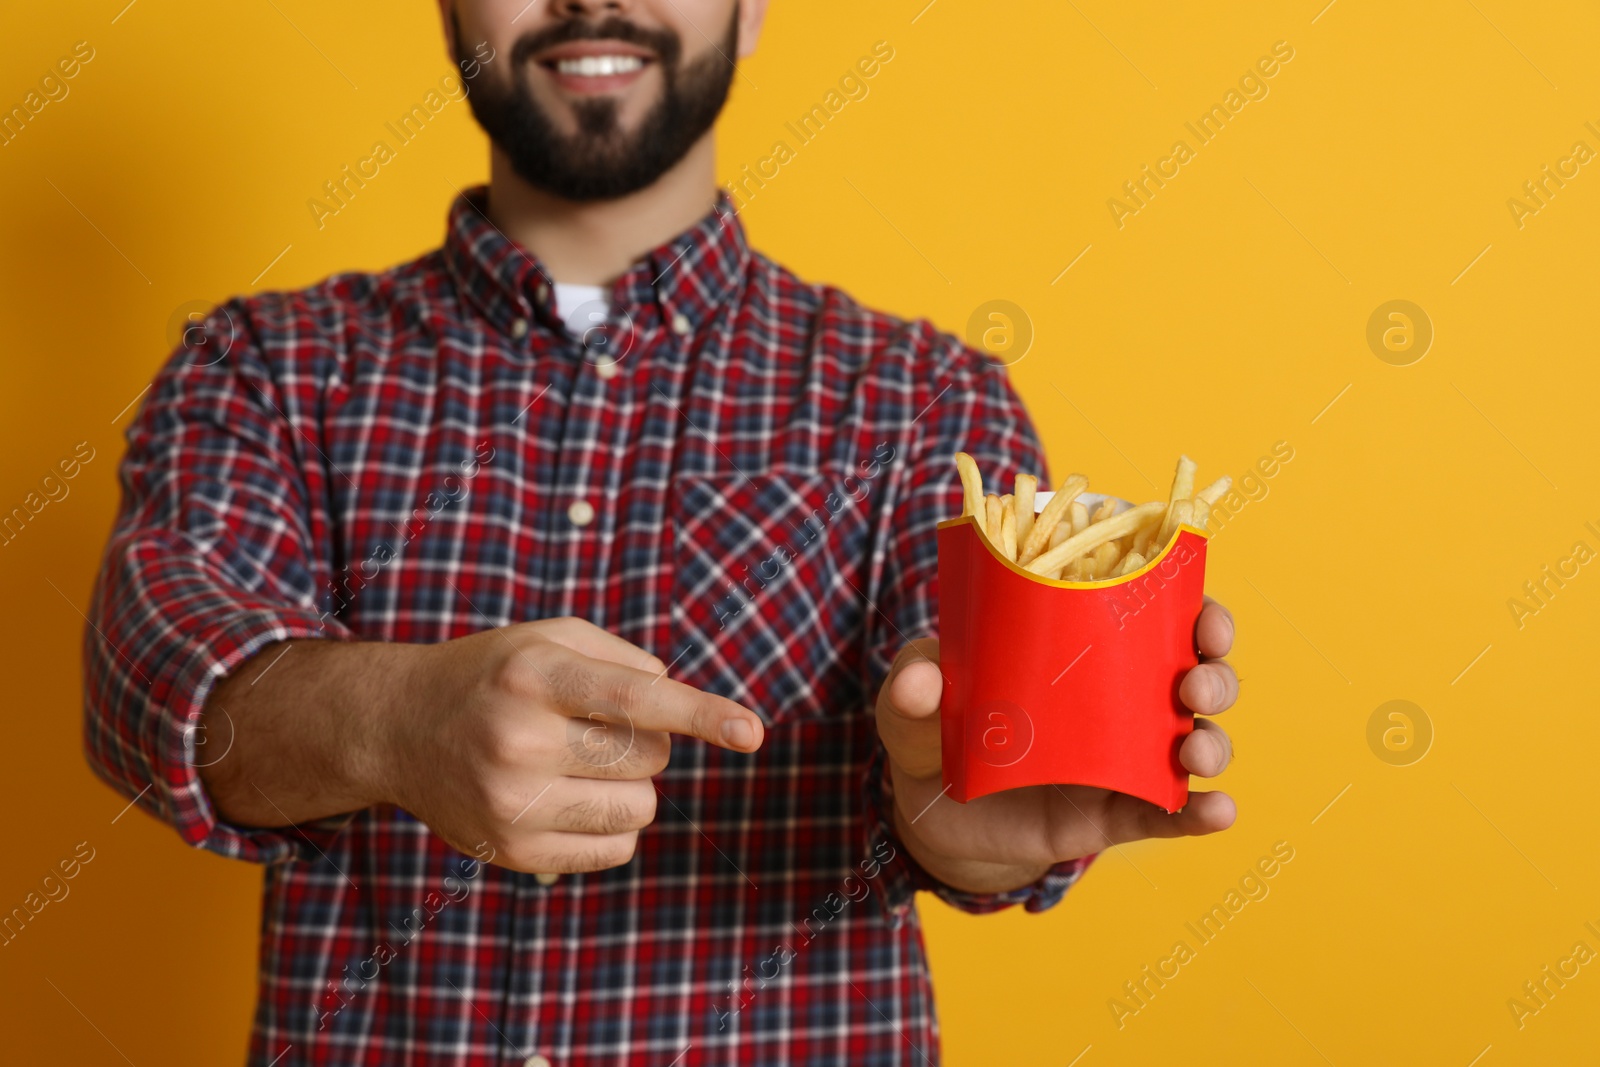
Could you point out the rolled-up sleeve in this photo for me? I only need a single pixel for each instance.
(971, 407)
(210, 560)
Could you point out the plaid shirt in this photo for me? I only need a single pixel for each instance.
(741, 472)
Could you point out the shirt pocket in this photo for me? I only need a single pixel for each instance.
(769, 589)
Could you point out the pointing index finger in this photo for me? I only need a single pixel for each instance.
(653, 702)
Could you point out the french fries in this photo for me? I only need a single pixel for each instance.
(1026, 485)
(1130, 563)
(1008, 532)
(1073, 541)
(971, 489)
(1045, 524)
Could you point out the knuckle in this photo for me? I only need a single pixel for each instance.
(541, 851)
(507, 806)
(534, 852)
(570, 682)
(578, 815)
(612, 815)
(633, 814)
(643, 812)
(508, 675)
(598, 743)
(499, 806)
(702, 719)
(518, 672)
(625, 696)
(508, 747)
(590, 816)
(610, 854)
(652, 753)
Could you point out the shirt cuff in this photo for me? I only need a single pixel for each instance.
(902, 876)
(178, 796)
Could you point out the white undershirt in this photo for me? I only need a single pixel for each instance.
(581, 307)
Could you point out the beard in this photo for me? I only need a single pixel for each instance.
(601, 160)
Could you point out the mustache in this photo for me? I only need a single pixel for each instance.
(664, 43)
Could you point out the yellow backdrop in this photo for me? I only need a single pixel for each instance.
(1232, 300)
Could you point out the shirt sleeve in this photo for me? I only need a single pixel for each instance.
(209, 561)
(972, 408)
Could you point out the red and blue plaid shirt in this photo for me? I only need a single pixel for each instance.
(413, 456)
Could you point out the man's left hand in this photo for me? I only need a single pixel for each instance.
(1009, 839)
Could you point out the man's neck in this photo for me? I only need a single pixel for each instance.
(593, 243)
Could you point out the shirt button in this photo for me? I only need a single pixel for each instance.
(535, 1061)
(680, 325)
(544, 879)
(580, 512)
(607, 370)
(519, 328)
(542, 292)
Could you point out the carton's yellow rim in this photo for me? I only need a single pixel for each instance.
(1102, 583)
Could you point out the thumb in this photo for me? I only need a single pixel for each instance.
(908, 709)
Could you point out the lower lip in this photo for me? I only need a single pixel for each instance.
(585, 85)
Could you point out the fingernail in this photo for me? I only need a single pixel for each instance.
(737, 733)
(1219, 692)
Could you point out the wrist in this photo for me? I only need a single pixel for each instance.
(374, 747)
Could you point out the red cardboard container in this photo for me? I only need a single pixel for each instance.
(1065, 683)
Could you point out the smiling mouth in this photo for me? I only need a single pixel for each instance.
(600, 66)
(589, 67)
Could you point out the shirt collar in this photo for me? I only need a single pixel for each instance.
(689, 276)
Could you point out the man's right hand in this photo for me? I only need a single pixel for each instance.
(540, 740)
(536, 740)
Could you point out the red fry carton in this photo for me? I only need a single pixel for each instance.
(1066, 683)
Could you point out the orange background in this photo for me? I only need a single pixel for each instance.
(1228, 314)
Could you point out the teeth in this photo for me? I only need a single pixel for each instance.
(599, 66)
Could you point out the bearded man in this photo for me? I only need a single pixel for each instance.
(418, 572)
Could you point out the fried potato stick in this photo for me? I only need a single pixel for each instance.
(1130, 563)
(1025, 487)
(1182, 490)
(1045, 524)
(1215, 491)
(1094, 536)
(971, 490)
(1008, 534)
(1103, 559)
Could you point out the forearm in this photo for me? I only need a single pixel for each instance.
(300, 730)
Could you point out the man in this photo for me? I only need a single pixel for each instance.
(417, 572)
